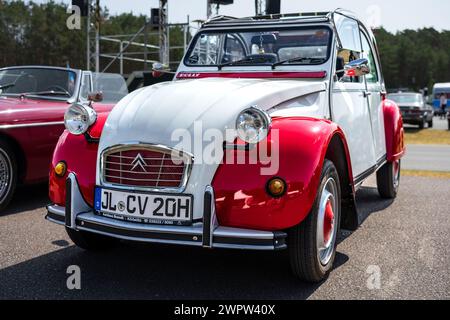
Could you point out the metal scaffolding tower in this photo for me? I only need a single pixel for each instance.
(164, 52)
(93, 36)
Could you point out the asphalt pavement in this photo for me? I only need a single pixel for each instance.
(427, 157)
(400, 251)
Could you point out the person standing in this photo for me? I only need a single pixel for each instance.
(443, 102)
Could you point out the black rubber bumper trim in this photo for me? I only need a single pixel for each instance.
(278, 242)
(138, 233)
(207, 219)
(55, 217)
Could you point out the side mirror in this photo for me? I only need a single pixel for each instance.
(158, 69)
(357, 68)
(95, 96)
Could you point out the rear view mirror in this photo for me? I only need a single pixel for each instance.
(264, 39)
(158, 69)
(357, 68)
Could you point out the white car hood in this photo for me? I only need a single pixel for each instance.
(152, 114)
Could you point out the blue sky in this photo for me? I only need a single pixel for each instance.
(394, 15)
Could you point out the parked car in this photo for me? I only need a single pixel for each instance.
(438, 90)
(414, 108)
(33, 101)
(309, 90)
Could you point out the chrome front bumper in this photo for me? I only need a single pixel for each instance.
(78, 215)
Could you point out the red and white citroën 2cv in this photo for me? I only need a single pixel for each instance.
(261, 141)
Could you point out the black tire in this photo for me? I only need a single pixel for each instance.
(388, 179)
(430, 123)
(422, 124)
(8, 174)
(91, 241)
(302, 239)
(449, 124)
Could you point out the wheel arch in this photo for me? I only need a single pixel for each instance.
(337, 152)
(19, 154)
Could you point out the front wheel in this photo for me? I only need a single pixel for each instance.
(388, 179)
(90, 241)
(8, 174)
(312, 243)
(430, 123)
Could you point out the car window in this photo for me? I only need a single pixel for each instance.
(206, 50)
(348, 32)
(372, 77)
(85, 86)
(113, 86)
(234, 50)
(261, 47)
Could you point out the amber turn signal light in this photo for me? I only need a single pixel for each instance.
(60, 169)
(276, 187)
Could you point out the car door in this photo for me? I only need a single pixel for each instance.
(349, 102)
(374, 91)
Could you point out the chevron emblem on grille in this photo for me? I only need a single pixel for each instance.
(139, 162)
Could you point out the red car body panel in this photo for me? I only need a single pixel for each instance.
(80, 157)
(33, 127)
(393, 126)
(303, 144)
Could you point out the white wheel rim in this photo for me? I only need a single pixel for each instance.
(5, 174)
(327, 222)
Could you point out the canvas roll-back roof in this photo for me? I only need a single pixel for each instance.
(288, 18)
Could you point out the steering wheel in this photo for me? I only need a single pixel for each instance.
(59, 89)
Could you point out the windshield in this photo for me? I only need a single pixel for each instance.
(38, 81)
(113, 86)
(263, 47)
(406, 98)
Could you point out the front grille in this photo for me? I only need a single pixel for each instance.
(145, 167)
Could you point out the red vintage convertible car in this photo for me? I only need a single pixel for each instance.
(33, 100)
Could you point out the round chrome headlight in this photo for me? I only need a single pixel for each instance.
(253, 125)
(78, 118)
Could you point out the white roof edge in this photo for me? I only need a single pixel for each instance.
(442, 85)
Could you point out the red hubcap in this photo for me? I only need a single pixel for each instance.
(328, 222)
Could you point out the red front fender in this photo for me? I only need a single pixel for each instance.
(80, 156)
(241, 197)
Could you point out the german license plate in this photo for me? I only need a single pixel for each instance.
(152, 208)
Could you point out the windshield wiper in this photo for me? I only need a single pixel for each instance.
(46, 93)
(298, 59)
(242, 61)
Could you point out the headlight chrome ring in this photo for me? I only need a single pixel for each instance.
(78, 118)
(253, 125)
